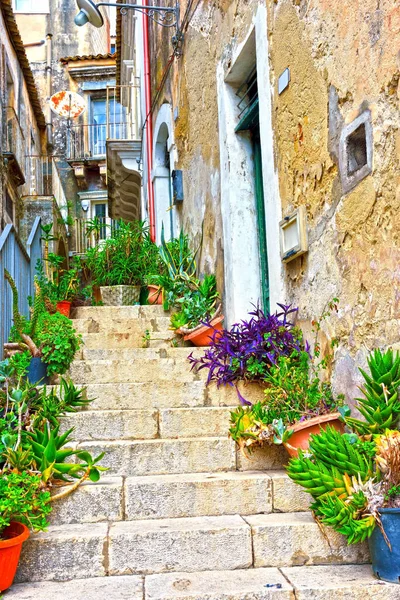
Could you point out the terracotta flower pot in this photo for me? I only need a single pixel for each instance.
(203, 335)
(302, 431)
(10, 550)
(64, 307)
(155, 294)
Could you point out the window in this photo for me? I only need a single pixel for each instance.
(100, 213)
(9, 206)
(31, 6)
(355, 151)
(98, 129)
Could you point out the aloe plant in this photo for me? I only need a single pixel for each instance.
(380, 405)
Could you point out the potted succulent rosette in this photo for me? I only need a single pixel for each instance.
(354, 477)
(294, 401)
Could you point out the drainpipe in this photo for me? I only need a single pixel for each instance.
(49, 115)
(149, 124)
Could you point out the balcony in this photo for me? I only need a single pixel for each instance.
(86, 240)
(15, 150)
(32, 171)
(124, 148)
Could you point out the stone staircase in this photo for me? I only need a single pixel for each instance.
(180, 515)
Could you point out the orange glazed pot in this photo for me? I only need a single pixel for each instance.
(155, 294)
(203, 335)
(64, 307)
(302, 431)
(10, 550)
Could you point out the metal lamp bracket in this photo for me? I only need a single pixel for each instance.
(162, 15)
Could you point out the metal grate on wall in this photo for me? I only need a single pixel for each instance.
(248, 102)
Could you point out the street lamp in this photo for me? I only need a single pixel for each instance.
(89, 13)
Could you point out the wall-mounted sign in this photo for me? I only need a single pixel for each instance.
(283, 81)
(293, 235)
(68, 105)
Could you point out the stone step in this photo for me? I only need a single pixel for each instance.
(179, 495)
(98, 588)
(195, 544)
(137, 353)
(119, 312)
(345, 582)
(189, 544)
(197, 494)
(340, 582)
(194, 422)
(65, 552)
(141, 370)
(100, 425)
(141, 424)
(295, 539)
(163, 457)
(91, 503)
(120, 325)
(146, 395)
(244, 584)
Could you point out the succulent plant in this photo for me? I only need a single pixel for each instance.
(380, 406)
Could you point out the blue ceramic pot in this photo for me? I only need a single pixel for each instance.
(37, 372)
(386, 561)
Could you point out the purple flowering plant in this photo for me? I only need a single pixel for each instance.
(247, 350)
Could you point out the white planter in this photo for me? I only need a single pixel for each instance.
(120, 295)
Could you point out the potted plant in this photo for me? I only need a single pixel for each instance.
(295, 406)
(61, 289)
(33, 459)
(24, 503)
(49, 339)
(354, 478)
(198, 317)
(173, 271)
(117, 266)
(270, 350)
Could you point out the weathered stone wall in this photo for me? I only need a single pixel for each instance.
(343, 59)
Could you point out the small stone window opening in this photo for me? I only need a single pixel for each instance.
(355, 152)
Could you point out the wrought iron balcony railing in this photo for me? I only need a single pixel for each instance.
(119, 122)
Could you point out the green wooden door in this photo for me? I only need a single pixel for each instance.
(260, 208)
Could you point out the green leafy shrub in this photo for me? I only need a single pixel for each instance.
(23, 499)
(122, 259)
(58, 342)
(50, 336)
(197, 304)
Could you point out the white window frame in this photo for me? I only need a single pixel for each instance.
(41, 7)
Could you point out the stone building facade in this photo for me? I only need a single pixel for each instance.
(22, 125)
(324, 138)
(64, 57)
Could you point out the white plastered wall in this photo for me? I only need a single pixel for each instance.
(163, 134)
(238, 208)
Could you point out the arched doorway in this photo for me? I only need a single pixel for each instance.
(163, 165)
